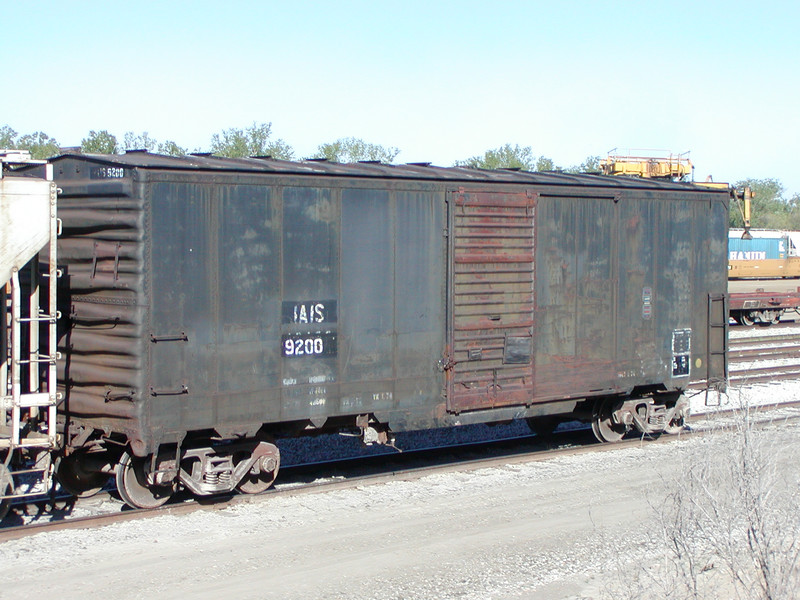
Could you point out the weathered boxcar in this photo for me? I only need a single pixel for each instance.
(213, 303)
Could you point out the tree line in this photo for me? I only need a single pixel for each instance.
(256, 140)
(772, 208)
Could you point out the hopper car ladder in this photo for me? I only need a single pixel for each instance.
(28, 386)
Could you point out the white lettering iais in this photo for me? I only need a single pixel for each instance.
(312, 313)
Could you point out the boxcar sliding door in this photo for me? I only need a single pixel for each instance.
(490, 310)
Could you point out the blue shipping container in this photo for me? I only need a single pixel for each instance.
(757, 248)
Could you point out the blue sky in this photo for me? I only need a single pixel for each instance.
(441, 81)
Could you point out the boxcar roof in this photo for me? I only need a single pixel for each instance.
(418, 171)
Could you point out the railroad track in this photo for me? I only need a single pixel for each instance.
(749, 359)
(763, 358)
(309, 479)
(327, 476)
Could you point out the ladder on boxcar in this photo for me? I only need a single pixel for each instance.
(28, 338)
(717, 357)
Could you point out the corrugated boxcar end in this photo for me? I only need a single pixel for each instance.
(101, 252)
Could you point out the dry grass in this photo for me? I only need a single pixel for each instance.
(725, 524)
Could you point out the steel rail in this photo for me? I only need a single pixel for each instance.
(745, 354)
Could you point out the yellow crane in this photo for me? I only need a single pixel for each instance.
(668, 166)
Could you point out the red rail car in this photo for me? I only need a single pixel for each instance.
(762, 307)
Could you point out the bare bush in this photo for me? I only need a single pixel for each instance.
(726, 523)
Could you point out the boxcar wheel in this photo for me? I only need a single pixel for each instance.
(255, 484)
(257, 480)
(603, 425)
(133, 487)
(745, 320)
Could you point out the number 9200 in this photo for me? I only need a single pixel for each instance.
(320, 344)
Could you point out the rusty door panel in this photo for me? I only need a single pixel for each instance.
(490, 323)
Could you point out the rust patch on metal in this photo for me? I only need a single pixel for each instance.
(492, 277)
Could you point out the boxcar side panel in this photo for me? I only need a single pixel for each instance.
(247, 364)
(637, 321)
(576, 292)
(181, 297)
(420, 279)
(711, 282)
(249, 234)
(385, 319)
(596, 255)
(310, 303)
(368, 294)
(214, 307)
(676, 298)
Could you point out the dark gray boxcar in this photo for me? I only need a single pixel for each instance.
(215, 299)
